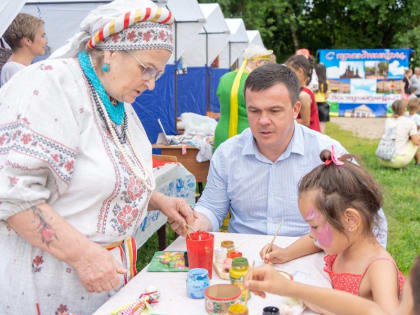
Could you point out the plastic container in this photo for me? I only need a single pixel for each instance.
(219, 297)
(197, 282)
(200, 251)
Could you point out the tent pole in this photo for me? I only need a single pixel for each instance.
(207, 73)
(230, 55)
(176, 74)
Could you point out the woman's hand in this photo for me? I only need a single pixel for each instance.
(267, 279)
(177, 210)
(98, 270)
(277, 255)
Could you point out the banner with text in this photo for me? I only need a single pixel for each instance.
(364, 82)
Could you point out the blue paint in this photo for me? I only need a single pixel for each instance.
(197, 282)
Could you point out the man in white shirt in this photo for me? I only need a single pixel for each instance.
(255, 174)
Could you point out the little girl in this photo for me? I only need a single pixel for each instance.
(340, 202)
(303, 69)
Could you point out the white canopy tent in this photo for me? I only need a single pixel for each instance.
(237, 43)
(189, 21)
(8, 10)
(254, 37)
(213, 38)
(62, 17)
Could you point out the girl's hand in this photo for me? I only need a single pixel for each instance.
(277, 255)
(267, 279)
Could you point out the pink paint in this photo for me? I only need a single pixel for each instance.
(311, 215)
(324, 236)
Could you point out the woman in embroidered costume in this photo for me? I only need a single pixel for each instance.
(340, 202)
(75, 164)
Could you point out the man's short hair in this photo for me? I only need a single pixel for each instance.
(266, 76)
(24, 25)
(412, 89)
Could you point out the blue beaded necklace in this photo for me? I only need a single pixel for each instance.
(115, 112)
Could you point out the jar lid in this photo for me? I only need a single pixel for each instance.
(234, 254)
(239, 262)
(227, 244)
(198, 274)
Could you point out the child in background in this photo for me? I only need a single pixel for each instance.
(340, 201)
(413, 92)
(413, 107)
(267, 279)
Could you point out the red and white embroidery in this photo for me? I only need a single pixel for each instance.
(19, 137)
(36, 263)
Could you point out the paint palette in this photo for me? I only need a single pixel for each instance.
(164, 261)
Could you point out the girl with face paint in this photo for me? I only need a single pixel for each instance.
(340, 202)
(267, 279)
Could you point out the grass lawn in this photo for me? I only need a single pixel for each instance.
(401, 202)
(401, 189)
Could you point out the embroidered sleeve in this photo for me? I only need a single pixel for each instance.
(38, 139)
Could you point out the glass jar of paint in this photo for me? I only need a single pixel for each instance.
(229, 245)
(238, 309)
(237, 274)
(197, 281)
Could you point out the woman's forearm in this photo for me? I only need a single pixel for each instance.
(154, 202)
(44, 228)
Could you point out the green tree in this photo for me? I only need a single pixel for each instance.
(286, 25)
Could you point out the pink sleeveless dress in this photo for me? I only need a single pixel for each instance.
(350, 282)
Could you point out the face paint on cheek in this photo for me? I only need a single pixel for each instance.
(311, 215)
(324, 236)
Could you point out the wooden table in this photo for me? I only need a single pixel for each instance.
(172, 285)
(198, 169)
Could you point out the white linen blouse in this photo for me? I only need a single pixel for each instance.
(55, 148)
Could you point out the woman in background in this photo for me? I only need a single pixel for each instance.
(230, 92)
(26, 38)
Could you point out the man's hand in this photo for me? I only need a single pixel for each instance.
(97, 269)
(277, 255)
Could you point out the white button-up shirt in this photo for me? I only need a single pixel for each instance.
(261, 193)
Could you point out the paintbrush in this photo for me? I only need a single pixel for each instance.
(190, 227)
(188, 233)
(270, 246)
(249, 277)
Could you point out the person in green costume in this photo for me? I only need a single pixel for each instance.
(233, 119)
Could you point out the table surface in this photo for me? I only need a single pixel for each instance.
(188, 159)
(172, 286)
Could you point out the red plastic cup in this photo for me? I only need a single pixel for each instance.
(200, 250)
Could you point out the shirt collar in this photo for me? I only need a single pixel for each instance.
(296, 144)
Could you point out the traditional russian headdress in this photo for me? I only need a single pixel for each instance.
(122, 25)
